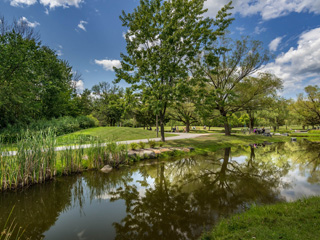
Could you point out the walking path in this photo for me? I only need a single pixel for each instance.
(62, 148)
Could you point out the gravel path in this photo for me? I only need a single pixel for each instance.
(62, 148)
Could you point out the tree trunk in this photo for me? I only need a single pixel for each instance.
(187, 126)
(274, 128)
(227, 128)
(161, 118)
(251, 122)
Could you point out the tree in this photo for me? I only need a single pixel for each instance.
(184, 112)
(109, 103)
(163, 39)
(228, 88)
(308, 107)
(34, 83)
(277, 113)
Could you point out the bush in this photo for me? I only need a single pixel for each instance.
(60, 126)
(142, 145)
(134, 146)
(152, 143)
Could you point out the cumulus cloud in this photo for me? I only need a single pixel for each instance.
(299, 66)
(24, 21)
(21, 3)
(47, 3)
(78, 85)
(108, 64)
(61, 3)
(81, 25)
(273, 45)
(267, 9)
(258, 30)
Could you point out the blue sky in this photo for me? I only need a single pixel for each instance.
(89, 34)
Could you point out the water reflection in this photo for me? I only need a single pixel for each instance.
(174, 199)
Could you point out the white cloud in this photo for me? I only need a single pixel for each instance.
(47, 3)
(79, 85)
(299, 66)
(241, 29)
(108, 64)
(268, 9)
(273, 46)
(61, 3)
(81, 25)
(21, 3)
(25, 21)
(258, 30)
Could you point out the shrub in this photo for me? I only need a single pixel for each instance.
(152, 143)
(142, 145)
(61, 126)
(133, 146)
(161, 144)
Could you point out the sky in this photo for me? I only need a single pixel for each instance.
(89, 34)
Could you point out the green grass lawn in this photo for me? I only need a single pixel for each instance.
(106, 134)
(291, 221)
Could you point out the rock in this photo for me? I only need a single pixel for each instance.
(106, 169)
(149, 154)
(186, 150)
(191, 149)
(132, 154)
(162, 150)
(277, 134)
(156, 151)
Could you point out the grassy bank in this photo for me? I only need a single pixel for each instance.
(107, 134)
(213, 142)
(293, 221)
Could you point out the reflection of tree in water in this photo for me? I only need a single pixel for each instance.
(183, 201)
(306, 155)
(38, 208)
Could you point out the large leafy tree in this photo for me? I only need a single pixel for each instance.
(228, 89)
(163, 39)
(34, 82)
(307, 106)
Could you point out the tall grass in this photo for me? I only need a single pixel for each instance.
(9, 230)
(37, 161)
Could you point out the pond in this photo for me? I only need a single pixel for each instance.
(165, 199)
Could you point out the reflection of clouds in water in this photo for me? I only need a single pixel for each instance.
(239, 159)
(299, 186)
(137, 178)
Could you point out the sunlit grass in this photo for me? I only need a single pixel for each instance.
(295, 221)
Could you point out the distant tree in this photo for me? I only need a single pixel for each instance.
(108, 104)
(277, 113)
(163, 39)
(308, 106)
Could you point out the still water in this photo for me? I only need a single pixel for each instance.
(165, 199)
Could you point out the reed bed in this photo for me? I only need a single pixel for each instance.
(37, 161)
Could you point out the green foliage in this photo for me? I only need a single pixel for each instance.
(163, 40)
(109, 103)
(142, 145)
(152, 143)
(307, 106)
(60, 126)
(133, 146)
(35, 83)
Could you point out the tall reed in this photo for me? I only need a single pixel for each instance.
(37, 161)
